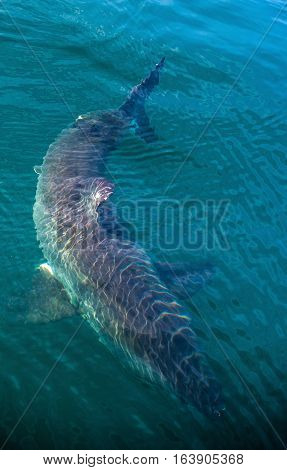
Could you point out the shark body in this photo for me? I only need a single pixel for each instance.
(110, 279)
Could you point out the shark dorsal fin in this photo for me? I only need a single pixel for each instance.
(101, 190)
(93, 191)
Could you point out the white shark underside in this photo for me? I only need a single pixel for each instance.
(110, 279)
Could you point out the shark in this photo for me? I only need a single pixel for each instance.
(108, 279)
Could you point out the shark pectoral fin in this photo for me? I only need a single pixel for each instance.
(48, 300)
(183, 279)
(143, 129)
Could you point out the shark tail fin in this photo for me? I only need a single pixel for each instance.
(133, 107)
(147, 85)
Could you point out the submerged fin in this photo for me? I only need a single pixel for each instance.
(48, 300)
(183, 279)
(144, 130)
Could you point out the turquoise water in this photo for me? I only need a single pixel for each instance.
(64, 58)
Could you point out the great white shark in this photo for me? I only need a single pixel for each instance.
(109, 279)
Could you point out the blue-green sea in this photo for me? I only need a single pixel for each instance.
(220, 115)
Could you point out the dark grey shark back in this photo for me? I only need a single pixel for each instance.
(111, 279)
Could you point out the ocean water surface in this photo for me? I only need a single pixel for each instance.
(220, 115)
